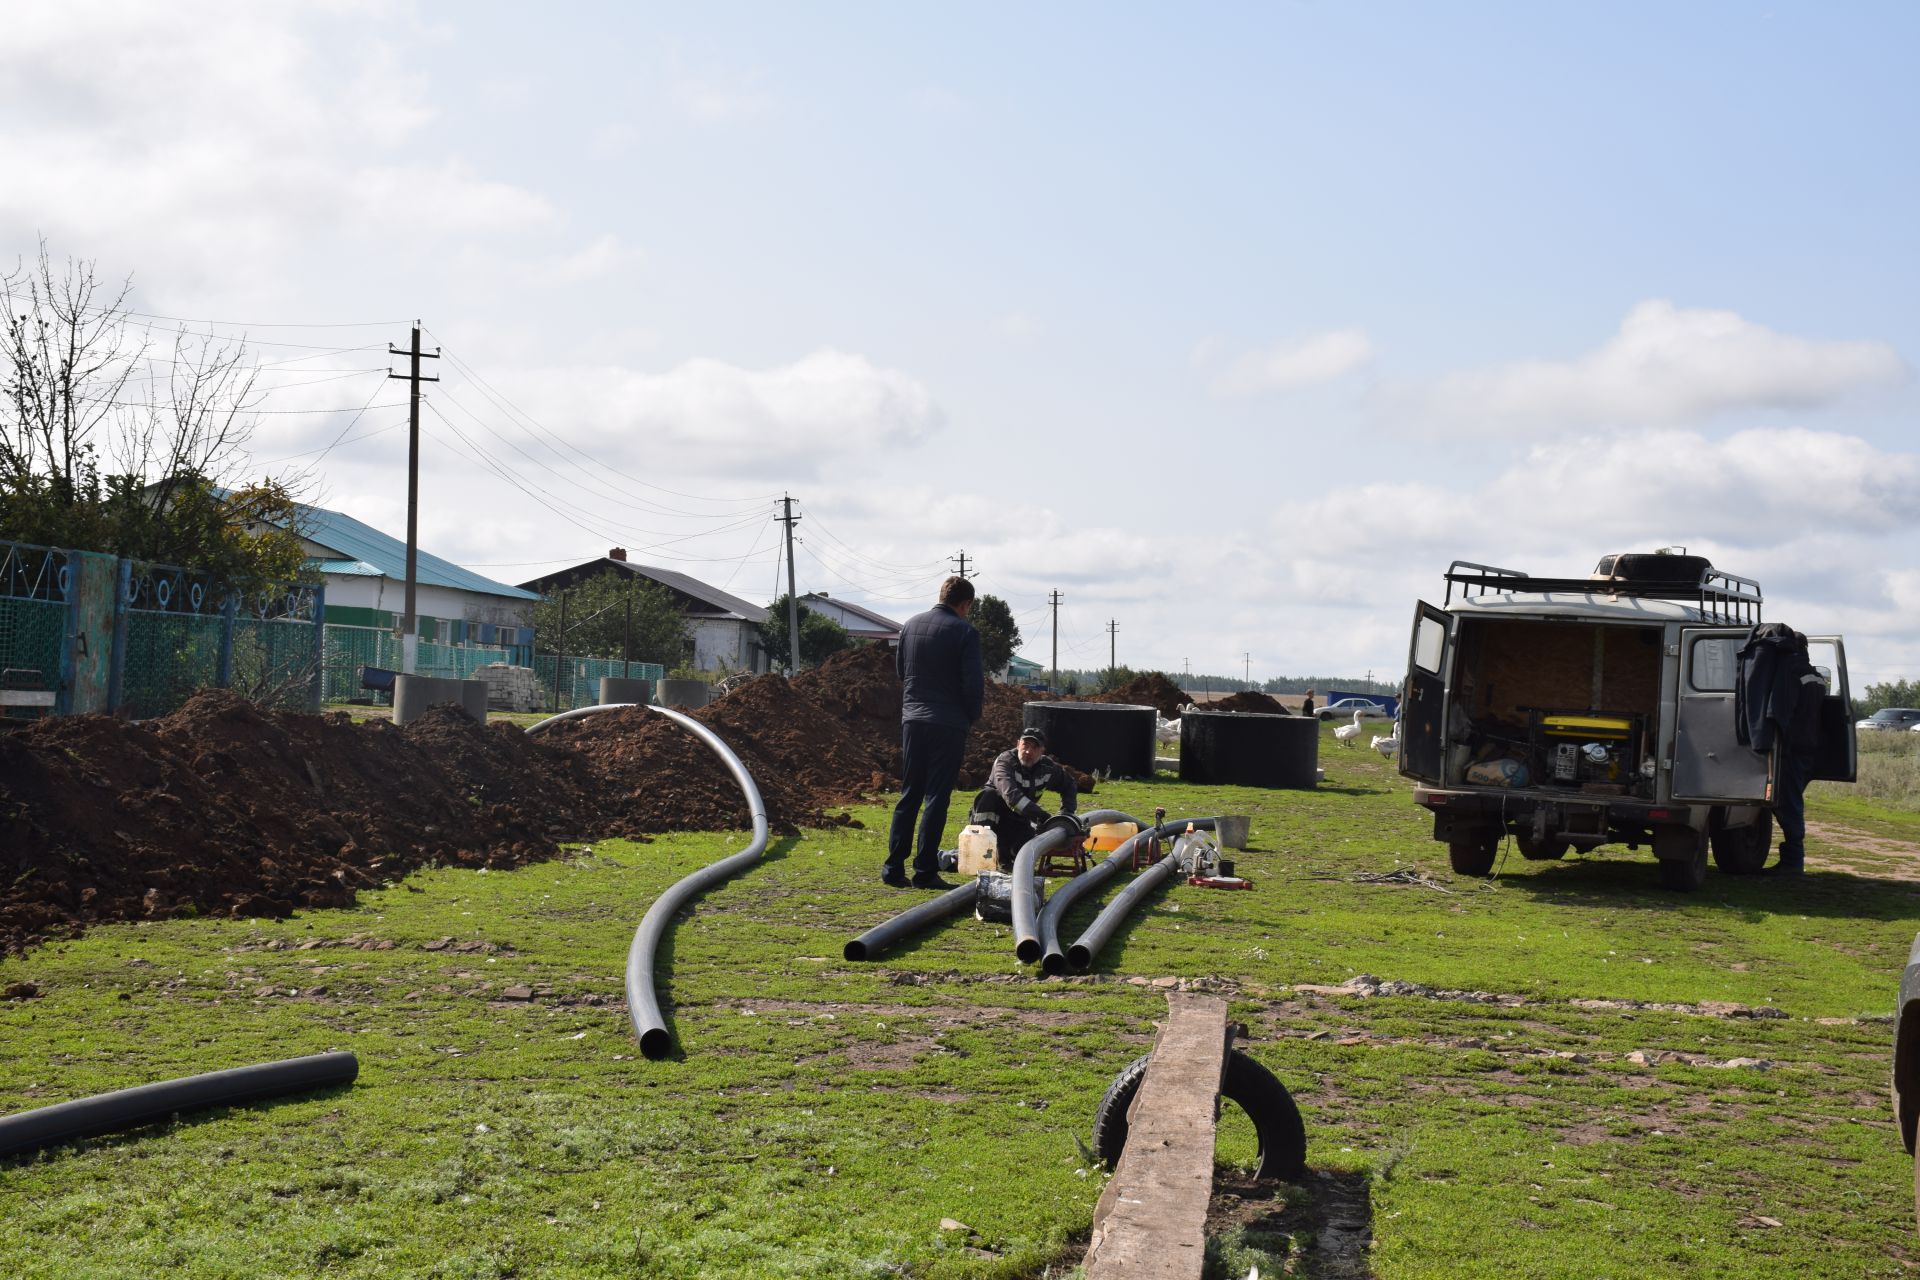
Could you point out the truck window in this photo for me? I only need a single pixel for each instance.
(1712, 667)
(1429, 643)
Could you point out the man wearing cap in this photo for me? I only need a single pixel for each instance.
(1011, 802)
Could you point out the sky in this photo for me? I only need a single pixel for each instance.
(1233, 324)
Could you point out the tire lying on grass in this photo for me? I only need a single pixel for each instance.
(1256, 1090)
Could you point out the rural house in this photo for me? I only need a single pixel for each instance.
(724, 628)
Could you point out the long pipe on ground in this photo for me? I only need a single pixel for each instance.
(1080, 955)
(643, 1006)
(1053, 957)
(143, 1104)
(877, 939)
(1026, 906)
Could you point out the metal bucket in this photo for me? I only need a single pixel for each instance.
(1232, 832)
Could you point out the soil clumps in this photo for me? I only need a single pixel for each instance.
(1150, 689)
(1248, 700)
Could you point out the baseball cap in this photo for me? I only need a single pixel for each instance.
(1036, 735)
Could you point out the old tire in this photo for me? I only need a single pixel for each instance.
(1256, 1090)
(1683, 857)
(1742, 851)
(1472, 855)
(1546, 850)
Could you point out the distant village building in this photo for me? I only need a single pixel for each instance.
(860, 623)
(724, 628)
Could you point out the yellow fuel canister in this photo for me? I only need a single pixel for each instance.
(1103, 836)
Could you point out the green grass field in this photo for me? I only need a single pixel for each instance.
(1570, 1088)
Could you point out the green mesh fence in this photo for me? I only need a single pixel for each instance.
(579, 680)
(274, 661)
(167, 656)
(351, 648)
(30, 639)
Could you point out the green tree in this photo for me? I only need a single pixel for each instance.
(1112, 678)
(999, 633)
(98, 455)
(1894, 693)
(596, 624)
(820, 636)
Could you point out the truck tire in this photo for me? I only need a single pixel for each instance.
(1742, 851)
(1472, 853)
(1256, 1090)
(1683, 857)
(1548, 850)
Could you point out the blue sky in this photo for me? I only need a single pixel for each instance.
(1233, 323)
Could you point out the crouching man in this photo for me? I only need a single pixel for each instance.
(1011, 802)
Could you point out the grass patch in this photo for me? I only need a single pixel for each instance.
(826, 1116)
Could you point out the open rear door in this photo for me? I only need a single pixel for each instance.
(1709, 760)
(1424, 714)
(1838, 759)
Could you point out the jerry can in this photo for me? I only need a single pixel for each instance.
(979, 851)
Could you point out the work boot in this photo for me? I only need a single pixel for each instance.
(1785, 869)
(894, 877)
(931, 880)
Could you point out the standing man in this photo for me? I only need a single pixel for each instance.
(1777, 705)
(941, 687)
(1011, 802)
(1306, 708)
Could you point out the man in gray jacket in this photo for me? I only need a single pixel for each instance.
(1011, 802)
(941, 689)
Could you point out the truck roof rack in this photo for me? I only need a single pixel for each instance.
(1721, 597)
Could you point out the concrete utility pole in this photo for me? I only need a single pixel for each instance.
(1113, 629)
(962, 560)
(1053, 676)
(410, 621)
(793, 600)
(1246, 672)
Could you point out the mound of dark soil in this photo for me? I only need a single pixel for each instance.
(1150, 689)
(1248, 700)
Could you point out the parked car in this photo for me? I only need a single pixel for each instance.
(1570, 713)
(1891, 718)
(1345, 708)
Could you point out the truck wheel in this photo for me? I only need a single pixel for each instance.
(1472, 854)
(1541, 850)
(1258, 1092)
(1741, 851)
(1683, 857)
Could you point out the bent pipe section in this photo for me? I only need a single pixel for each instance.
(643, 1006)
(1053, 959)
(1081, 954)
(143, 1104)
(1026, 908)
(870, 944)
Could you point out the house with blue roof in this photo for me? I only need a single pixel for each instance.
(366, 573)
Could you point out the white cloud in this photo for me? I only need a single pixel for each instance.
(1670, 365)
(1289, 365)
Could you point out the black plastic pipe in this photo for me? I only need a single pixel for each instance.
(143, 1104)
(1026, 906)
(1080, 955)
(1053, 957)
(643, 1006)
(877, 939)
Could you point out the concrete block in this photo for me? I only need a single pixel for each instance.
(412, 695)
(625, 689)
(684, 693)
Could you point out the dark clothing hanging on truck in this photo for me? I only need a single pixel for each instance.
(1777, 696)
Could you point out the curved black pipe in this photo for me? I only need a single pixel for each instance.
(143, 1104)
(1053, 959)
(1026, 909)
(643, 1006)
(1080, 955)
(877, 939)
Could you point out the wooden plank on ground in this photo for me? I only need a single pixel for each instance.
(1151, 1219)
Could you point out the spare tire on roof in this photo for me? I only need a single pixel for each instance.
(1647, 567)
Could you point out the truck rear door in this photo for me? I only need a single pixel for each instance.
(1838, 758)
(1424, 713)
(1709, 760)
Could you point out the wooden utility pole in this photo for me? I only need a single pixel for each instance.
(1053, 677)
(961, 559)
(410, 621)
(793, 600)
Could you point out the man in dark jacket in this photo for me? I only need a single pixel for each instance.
(1777, 702)
(941, 687)
(1011, 802)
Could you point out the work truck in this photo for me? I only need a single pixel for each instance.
(1570, 713)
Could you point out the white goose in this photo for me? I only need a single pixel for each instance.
(1348, 732)
(1385, 746)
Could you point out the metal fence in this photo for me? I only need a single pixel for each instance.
(578, 681)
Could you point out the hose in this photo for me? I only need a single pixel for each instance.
(1053, 958)
(1080, 955)
(143, 1104)
(1026, 910)
(877, 939)
(643, 1006)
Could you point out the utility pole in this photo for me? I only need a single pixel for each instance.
(793, 600)
(1053, 676)
(1246, 672)
(410, 621)
(962, 559)
(1113, 629)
